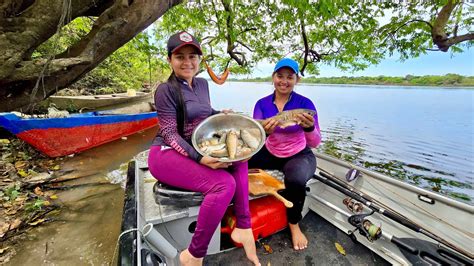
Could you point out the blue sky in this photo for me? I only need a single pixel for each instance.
(432, 63)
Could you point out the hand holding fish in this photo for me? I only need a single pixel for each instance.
(305, 120)
(213, 163)
(291, 118)
(269, 125)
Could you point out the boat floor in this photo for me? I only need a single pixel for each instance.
(321, 250)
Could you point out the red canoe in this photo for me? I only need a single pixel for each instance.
(62, 136)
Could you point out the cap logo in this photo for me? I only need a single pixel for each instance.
(185, 37)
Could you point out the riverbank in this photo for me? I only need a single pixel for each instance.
(91, 201)
(449, 80)
(27, 198)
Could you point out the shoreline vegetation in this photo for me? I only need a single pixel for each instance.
(448, 80)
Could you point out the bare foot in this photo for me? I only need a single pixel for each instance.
(245, 237)
(187, 259)
(300, 241)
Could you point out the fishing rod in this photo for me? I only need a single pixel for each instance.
(373, 204)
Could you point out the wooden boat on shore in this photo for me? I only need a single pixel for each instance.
(387, 220)
(97, 102)
(76, 132)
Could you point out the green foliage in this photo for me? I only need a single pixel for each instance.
(429, 80)
(341, 32)
(409, 33)
(69, 35)
(36, 205)
(11, 192)
(350, 35)
(131, 66)
(347, 34)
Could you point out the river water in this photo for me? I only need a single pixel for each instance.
(423, 136)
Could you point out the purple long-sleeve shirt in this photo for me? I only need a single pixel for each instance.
(198, 108)
(285, 142)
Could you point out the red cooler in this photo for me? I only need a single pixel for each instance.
(268, 217)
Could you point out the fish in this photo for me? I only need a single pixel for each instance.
(289, 117)
(255, 132)
(231, 142)
(243, 152)
(223, 137)
(219, 153)
(250, 140)
(210, 148)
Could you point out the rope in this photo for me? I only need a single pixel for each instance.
(118, 241)
(65, 16)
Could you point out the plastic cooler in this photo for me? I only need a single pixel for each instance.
(268, 217)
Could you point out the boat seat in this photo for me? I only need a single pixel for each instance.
(177, 197)
(180, 198)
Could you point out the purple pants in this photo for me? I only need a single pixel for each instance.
(218, 186)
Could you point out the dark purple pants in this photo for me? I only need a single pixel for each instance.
(298, 169)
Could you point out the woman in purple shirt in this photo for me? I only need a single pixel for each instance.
(289, 149)
(182, 103)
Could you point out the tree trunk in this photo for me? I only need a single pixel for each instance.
(438, 33)
(26, 24)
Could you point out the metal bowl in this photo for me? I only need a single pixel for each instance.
(229, 121)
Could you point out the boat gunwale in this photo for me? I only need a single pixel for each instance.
(393, 181)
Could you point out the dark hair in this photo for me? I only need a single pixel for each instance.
(180, 104)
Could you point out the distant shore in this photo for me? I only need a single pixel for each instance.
(448, 80)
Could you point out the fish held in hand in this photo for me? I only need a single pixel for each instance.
(289, 117)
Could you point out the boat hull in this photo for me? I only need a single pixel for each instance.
(96, 102)
(63, 136)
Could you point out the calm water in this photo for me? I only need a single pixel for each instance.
(423, 136)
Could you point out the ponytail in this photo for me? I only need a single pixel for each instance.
(180, 104)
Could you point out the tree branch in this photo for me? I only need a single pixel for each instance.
(438, 33)
(306, 47)
(244, 45)
(28, 70)
(116, 26)
(460, 38)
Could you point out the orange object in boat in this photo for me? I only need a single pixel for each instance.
(268, 216)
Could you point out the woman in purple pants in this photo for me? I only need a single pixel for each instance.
(182, 103)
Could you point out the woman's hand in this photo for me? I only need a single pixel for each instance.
(306, 120)
(270, 125)
(213, 163)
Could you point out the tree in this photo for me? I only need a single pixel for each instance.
(26, 24)
(338, 32)
(420, 26)
(345, 33)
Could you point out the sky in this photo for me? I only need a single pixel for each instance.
(432, 63)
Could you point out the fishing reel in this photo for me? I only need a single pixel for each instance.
(353, 205)
(365, 227)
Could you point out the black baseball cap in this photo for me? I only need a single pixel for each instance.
(181, 39)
